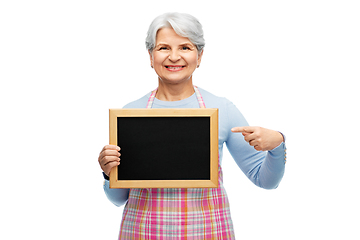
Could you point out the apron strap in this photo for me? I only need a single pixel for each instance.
(151, 99)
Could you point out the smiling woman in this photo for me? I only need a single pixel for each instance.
(175, 44)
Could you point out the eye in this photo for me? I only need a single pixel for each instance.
(185, 48)
(162, 48)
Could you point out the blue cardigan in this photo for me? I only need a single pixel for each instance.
(264, 169)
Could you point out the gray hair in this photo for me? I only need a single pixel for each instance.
(184, 25)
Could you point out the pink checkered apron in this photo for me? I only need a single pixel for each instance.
(177, 213)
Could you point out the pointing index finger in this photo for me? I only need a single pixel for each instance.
(242, 129)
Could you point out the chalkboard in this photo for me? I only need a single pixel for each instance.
(165, 148)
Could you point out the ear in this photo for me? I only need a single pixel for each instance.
(151, 59)
(200, 57)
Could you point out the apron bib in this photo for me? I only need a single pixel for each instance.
(177, 213)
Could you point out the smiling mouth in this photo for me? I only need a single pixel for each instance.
(174, 67)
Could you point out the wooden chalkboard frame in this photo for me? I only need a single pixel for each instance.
(211, 113)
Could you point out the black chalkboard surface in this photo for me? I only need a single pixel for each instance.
(165, 148)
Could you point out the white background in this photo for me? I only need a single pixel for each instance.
(291, 66)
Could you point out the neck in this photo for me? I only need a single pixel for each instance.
(174, 92)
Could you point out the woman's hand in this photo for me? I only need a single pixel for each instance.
(261, 139)
(109, 157)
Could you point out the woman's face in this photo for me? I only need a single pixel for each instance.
(174, 58)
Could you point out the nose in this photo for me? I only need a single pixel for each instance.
(174, 56)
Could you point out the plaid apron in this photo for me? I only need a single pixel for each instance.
(177, 213)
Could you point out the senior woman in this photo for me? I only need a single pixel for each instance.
(175, 44)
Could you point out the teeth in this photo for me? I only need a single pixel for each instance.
(174, 67)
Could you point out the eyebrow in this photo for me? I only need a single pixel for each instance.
(161, 44)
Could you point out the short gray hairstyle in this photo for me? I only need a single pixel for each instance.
(184, 25)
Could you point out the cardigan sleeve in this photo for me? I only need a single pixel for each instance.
(118, 196)
(264, 168)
